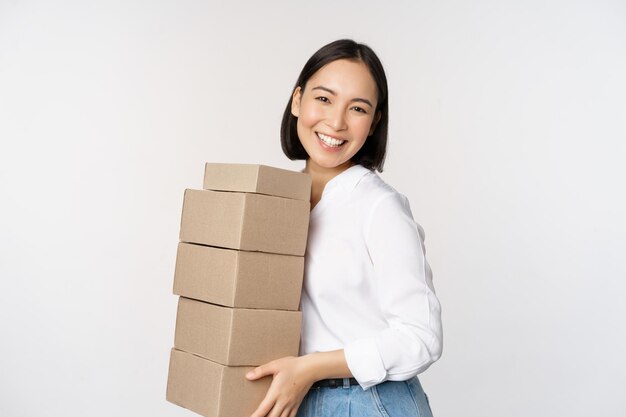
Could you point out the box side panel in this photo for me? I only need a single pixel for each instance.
(203, 329)
(240, 397)
(269, 281)
(275, 225)
(260, 336)
(206, 273)
(231, 177)
(212, 218)
(194, 383)
(284, 183)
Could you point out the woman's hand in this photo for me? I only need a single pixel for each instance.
(292, 379)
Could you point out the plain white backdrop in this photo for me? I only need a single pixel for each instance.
(507, 133)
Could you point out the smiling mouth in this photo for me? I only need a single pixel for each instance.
(330, 141)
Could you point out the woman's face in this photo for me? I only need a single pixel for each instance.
(336, 112)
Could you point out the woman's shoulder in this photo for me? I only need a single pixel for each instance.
(373, 191)
(375, 186)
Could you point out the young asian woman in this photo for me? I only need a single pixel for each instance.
(371, 319)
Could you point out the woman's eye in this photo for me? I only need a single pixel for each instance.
(359, 109)
(324, 99)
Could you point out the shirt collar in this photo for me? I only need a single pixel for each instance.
(349, 178)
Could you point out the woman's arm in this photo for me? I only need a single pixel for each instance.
(405, 295)
(293, 377)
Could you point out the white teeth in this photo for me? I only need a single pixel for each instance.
(330, 141)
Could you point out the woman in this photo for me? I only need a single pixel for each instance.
(371, 319)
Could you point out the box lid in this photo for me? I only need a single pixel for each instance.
(260, 179)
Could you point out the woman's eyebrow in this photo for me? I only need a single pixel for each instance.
(357, 99)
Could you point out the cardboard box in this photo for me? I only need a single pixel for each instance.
(236, 336)
(260, 179)
(211, 389)
(252, 222)
(238, 278)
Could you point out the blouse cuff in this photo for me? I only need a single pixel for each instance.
(365, 363)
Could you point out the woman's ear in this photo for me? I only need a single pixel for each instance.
(295, 101)
(375, 122)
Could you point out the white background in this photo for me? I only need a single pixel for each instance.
(507, 133)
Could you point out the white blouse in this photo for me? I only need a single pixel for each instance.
(367, 286)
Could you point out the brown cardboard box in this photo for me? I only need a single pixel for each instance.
(252, 222)
(236, 336)
(260, 179)
(238, 278)
(211, 389)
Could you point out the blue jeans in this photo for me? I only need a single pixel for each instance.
(389, 399)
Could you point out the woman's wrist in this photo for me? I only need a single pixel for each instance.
(324, 365)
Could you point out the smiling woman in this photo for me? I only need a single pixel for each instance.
(336, 112)
(371, 319)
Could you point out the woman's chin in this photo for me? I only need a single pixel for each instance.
(329, 163)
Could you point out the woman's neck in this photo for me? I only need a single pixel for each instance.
(320, 177)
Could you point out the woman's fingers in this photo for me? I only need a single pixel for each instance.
(281, 410)
(288, 388)
(286, 412)
(261, 371)
(265, 407)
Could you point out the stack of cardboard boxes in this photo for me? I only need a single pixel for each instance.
(239, 272)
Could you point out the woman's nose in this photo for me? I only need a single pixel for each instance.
(336, 119)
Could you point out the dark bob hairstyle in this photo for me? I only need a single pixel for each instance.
(372, 153)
